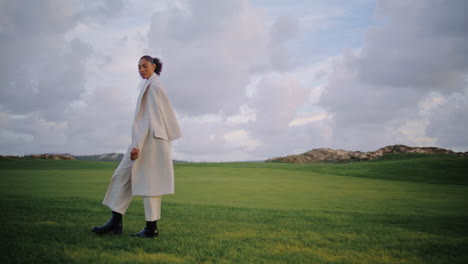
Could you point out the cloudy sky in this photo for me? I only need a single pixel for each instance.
(249, 80)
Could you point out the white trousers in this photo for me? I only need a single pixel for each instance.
(119, 193)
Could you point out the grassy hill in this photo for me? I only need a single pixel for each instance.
(399, 209)
(414, 167)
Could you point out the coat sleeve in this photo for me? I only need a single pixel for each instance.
(169, 117)
(141, 126)
(167, 126)
(140, 131)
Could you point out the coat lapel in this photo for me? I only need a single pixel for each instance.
(143, 86)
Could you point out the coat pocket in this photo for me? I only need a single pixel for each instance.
(160, 132)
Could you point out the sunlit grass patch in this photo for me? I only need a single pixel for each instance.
(135, 256)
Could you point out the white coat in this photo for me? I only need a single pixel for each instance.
(154, 127)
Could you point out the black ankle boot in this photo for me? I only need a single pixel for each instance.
(151, 230)
(114, 225)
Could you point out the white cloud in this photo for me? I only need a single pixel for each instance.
(241, 139)
(305, 120)
(448, 121)
(415, 132)
(245, 116)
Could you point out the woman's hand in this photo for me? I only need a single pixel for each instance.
(134, 154)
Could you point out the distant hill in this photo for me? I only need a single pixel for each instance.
(110, 157)
(339, 156)
(113, 157)
(39, 156)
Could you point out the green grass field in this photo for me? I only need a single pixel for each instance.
(398, 209)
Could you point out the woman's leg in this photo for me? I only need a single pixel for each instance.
(118, 197)
(119, 192)
(152, 207)
(152, 214)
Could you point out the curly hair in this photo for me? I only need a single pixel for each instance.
(156, 61)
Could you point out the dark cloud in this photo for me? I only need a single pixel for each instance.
(353, 101)
(99, 11)
(32, 39)
(103, 123)
(423, 45)
(207, 63)
(210, 50)
(43, 77)
(420, 48)
(41, 70)
(283, 29)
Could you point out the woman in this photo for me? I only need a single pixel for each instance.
(146, 168)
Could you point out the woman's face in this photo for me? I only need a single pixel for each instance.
(146, 68)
